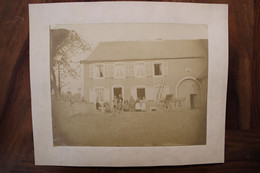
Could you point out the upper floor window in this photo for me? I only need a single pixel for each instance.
(139, 69)
(158, 69)
(119, 70)
(98, 71)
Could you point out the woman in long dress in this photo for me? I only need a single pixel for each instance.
(143, 105)
(137, 105)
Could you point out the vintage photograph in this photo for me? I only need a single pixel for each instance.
(129, 84)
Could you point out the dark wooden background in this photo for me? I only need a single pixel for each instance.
(242, 148)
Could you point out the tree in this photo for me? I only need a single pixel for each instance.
(64, 44)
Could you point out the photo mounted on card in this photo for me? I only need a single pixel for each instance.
(141, 86)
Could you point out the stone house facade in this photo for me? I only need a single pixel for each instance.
(149, 69)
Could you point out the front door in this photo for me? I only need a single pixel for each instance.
(140, 93)
(194, 101)
(117, 92)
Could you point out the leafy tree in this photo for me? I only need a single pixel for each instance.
(64, 44)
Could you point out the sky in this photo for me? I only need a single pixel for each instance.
(95, 33)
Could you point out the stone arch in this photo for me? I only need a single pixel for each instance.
(192, 93)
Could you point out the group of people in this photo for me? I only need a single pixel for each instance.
(119, 104)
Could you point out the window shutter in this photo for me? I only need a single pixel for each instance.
(155, 92)
(90, 71)
(133, 93)
(165, 68)
(92, 95)
(132, 69)
(107, 94)
(127, 69)
(166, 90)
(149, 93)
(110, 70)
(149, 69)
(106, 70)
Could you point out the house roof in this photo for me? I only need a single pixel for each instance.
(147, 50)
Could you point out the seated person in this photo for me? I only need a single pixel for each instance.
(98, 106)
(132, 104)
(126, 106)
(107, 107)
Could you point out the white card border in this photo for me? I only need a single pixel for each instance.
(43, 15)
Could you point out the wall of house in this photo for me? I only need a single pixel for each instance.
(175, 72)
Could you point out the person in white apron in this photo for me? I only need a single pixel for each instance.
(137, 105)
(143, 105)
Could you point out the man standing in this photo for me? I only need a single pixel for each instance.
(120, 102)
(132, 104)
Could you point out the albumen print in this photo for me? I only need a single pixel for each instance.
(129, 84)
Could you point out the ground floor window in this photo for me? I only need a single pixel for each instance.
(100, 94)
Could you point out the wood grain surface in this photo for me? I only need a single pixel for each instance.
(242, 149)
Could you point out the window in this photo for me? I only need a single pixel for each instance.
(157, 69)
(98, 71)
(99, 94)
(139, 69)
(119, 70)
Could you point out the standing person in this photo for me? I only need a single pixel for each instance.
(132, 104)
(143, 104)
(115, 103)
(137, 105)
(120, 98)
(120, 102)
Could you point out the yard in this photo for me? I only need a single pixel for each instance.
(82, 125)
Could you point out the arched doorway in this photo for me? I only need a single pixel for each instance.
(189, 89)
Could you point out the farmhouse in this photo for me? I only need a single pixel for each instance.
(148, 69)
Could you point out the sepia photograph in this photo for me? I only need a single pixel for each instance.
(129, 84)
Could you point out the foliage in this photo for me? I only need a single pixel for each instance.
(64, 45)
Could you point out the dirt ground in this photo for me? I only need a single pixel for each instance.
(82, 125)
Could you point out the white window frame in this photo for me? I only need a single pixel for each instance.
(135, 69)
(94, 66)
(162, 70)
(114, 67)
(96, 88)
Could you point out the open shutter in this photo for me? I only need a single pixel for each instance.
(127, 69)
(106, 70)
(111, 70)
(165, 68)
(92, 95)
(107, 98)
(90, 71)
(149, 93)
(134, 93)
(155, 92)
(149, 69)
(166, 90)
(132, 69)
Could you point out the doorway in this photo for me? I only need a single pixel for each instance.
(117, 92)
(140, 93)
(194, 101)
